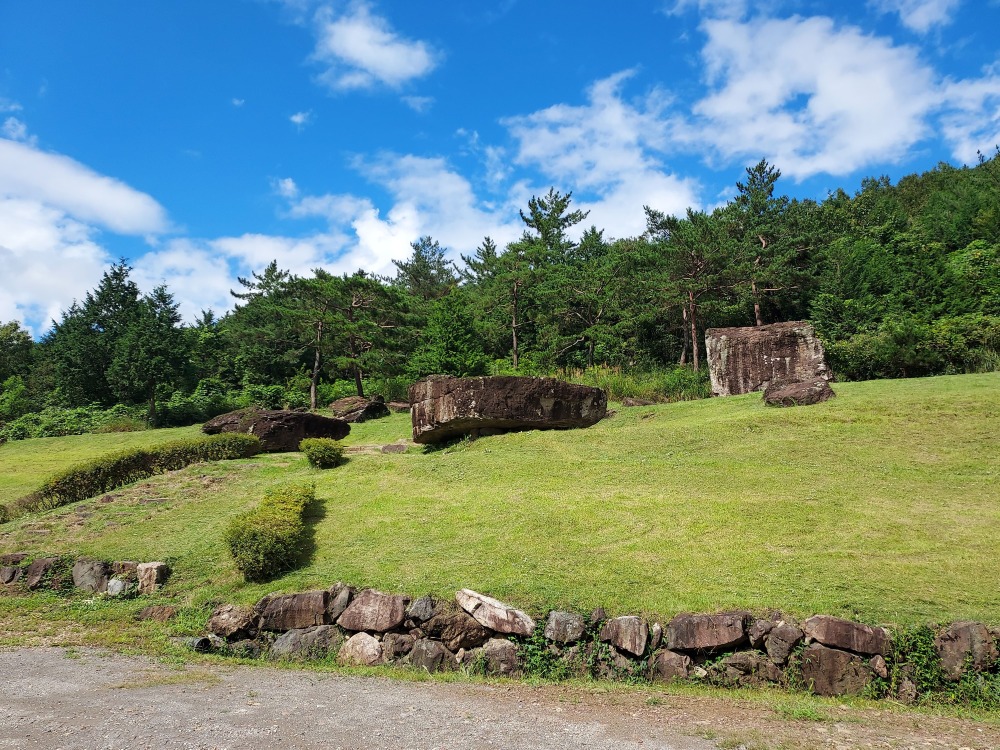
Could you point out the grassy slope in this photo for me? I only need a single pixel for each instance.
(881, 504)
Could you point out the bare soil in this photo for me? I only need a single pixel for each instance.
(89, 698)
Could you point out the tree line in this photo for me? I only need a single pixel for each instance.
(900, 280)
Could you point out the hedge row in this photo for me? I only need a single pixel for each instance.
(117, 469)
(268, 540)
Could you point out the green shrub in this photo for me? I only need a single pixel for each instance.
(322, 453)
(268, 540)
(124, 467)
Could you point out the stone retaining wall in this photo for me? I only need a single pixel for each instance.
(121, 578)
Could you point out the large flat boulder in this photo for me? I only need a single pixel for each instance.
(748, 359)
(837, 632)
(357, 409)
(495, 615)
(444, 407)
(374, 611)
(279, 430)
(281, 612)
(705, 633)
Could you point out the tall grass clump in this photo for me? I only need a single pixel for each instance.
(659, 385)
(268, 540)
(124, 467)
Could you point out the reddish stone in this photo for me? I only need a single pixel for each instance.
(706, 632)
(830, 671)
(374, 611)
(837, 632)
(293, 611)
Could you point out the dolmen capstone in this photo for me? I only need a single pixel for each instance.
(279, 430)
(748, 359)
(443, 407)
(357, 409)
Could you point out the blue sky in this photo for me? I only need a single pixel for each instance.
(202, 139)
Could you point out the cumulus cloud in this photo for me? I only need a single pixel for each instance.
(419, 104)
(611, 151)
(919, 15)
(971, 118)
(810, 96)
(238, 102)
(9, 105)
(301, 119)
(16, 130)
(361, 50)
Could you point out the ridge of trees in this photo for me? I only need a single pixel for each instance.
(900, 280)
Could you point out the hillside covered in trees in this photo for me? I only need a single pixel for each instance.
(900, 281)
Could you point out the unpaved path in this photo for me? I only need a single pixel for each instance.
(52, 698)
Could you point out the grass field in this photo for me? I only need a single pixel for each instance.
(882, 504)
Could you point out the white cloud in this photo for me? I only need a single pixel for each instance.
(286, 187)
(16, 130)
(8, 105)
(362, 50)
(238, 102)
(197, 275)
(809, 96)
(70, 187)
(919, 15)
(301, 119)
(610, 152)
(971, 120)
(418, 104)
(709, 8)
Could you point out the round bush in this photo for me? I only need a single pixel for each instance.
(322, 453)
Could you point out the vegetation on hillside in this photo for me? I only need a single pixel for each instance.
(900, 280)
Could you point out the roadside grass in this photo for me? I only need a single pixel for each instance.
(879, 505)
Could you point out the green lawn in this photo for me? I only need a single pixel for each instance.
(881, 504)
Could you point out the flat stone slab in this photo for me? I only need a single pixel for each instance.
(836, 632)
(293, 611)
(444, 407)
(357, 409)
(798, 393)
(374, 611)
(706, 632)
(495, 615)
(279, 430)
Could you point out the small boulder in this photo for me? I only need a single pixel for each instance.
(374, 611)
(798, 393)
(396, 646)
(456, 630)
(421, 610)
(232, 622)
(395, 448)
(501, 657)
(279, 430)
(432, 656)
(629, 401)
(965, 642)
(362, 650)
(780, 642)
(669, 665)
(564, 627)
(706, 633)
(36, 571)
(628, 633)
(758, 631)
(655, 636)
(837, 632)
(122, 588)
(10, 574)
(293, 611)
(494, 614)
(831, 672)
(879, 667)
(152, 575)
(157, 613)
(90, 576)
(338, 597)
(746, 669)
(358, 409)
(307, 643)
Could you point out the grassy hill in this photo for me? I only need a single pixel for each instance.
(882, 504)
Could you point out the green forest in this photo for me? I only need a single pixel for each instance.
(900, 280)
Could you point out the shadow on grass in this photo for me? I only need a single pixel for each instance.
(311, 518)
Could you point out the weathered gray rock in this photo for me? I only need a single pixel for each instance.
(421, 610)
(669, 665)
(443, 407)
(456, 630)
(358, 409)
(35, 573)
(293, 611)
(798, 393)
(374, 611)
(495, 615)
(879, 667)
(122, 588)
(339, 596)
(152, 575)
(564, 627)
(501, 657)
(628, 401)
(746, 669)
(655, 636)
(706, 632)
(307, 643)
(965, 641)
(91, 576)
(432, 656)
(362, 650)
(780, 642)
(10, 574)
(278, 430)
(628, 633)
(157, 613)
(232, 622)
(837, 632)
(744, 360)
(830, 671)
(758, 631)
(395, 448)
(396, 646)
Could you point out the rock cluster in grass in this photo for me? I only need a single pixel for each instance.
(748, 359)
(444, 407)
(828, 655)
(123, 578)
(357, 409)
(278, 430)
